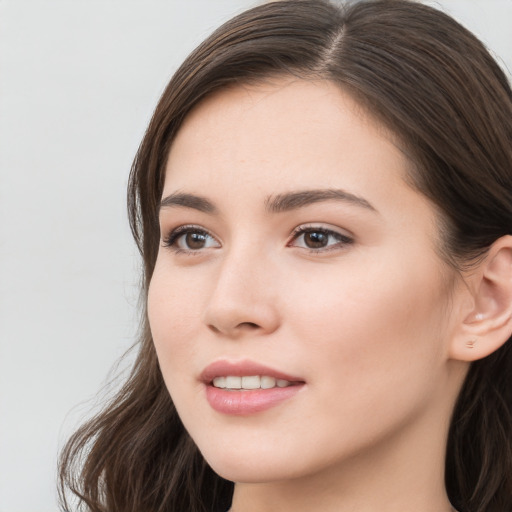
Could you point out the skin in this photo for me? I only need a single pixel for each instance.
(367, 324)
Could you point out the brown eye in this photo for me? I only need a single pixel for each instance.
(319, 239)
(316, 239)
(191, 239)
(195, 240)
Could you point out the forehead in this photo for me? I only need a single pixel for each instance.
(308, 129)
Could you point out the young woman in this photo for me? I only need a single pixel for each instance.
(323, 202)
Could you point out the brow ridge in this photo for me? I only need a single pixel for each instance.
(294, 200)
(273, 204)
(188, 201)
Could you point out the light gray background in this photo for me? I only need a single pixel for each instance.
(78, 82)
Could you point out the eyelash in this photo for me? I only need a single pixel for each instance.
(342, 240)
(171, 240)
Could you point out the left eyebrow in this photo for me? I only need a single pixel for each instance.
(294, 200)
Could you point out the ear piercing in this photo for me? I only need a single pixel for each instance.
(470, 344)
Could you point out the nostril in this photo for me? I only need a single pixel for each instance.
(235, 331)
(248, 325)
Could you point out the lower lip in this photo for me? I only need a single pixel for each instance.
(247, 402)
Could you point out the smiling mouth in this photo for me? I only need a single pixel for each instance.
(244, 388)
(247, 395)
(250, 382)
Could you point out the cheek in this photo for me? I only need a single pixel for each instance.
(371, 326)
(373, 347)
(174, 317)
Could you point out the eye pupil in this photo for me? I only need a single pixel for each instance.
(195, 240)
(316, 239)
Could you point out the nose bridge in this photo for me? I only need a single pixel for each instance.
(243, 296)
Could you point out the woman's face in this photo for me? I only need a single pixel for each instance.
(293, 253)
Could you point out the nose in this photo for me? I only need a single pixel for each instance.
(243, 301)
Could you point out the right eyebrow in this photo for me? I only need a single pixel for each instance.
(184, 200)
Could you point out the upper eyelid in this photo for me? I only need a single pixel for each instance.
(173, 234)
(297, 229)
(328, 228)
(183, 228)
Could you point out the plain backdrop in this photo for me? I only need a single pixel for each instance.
(78, 82)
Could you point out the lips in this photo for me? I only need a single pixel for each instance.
(241, 369)
(246, 387)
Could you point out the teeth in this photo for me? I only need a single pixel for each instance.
(219, 382)
(267, 382)
(234, 382)
(249, 382)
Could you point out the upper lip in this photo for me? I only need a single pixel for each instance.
(223, 368)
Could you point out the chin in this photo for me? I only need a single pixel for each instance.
(252, 465)
(249, 471)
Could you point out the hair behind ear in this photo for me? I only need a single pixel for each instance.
(479, 452)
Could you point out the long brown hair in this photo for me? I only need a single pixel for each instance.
(434, 85)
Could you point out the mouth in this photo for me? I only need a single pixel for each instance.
(245, 388)
(246, 383)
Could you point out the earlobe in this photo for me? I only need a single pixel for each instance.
(488, 325)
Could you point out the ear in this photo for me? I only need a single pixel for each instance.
(487, 317)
